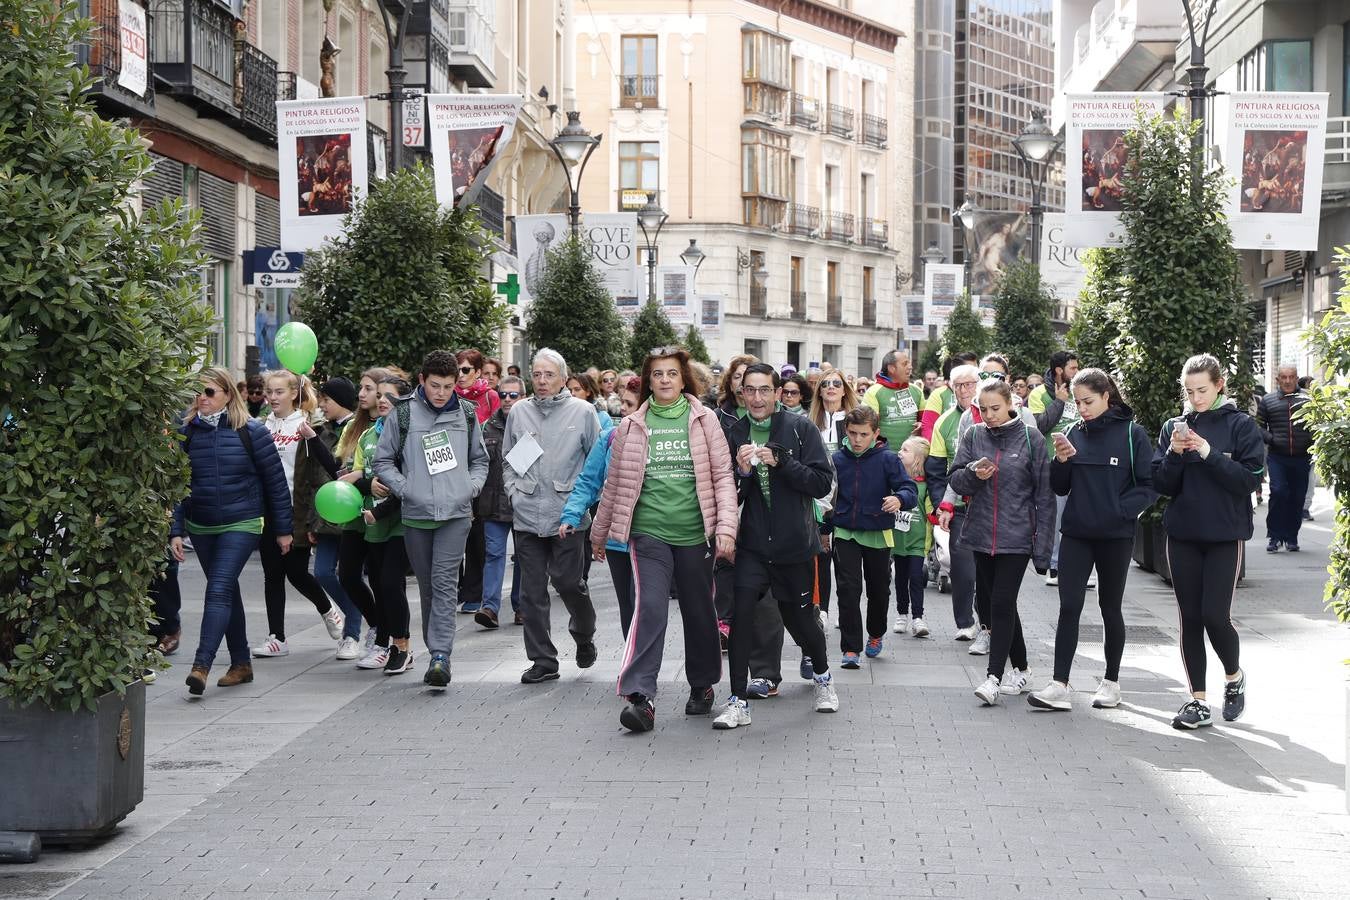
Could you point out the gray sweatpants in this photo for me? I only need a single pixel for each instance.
(563, 562)
(435, 554)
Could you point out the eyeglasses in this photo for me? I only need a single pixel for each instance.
(787, 393)
(509, 395)
(964, 384)
(832, 382)
(1019, 384)
(465, 370)
(985, 376)
(764, 390)
(211, 392)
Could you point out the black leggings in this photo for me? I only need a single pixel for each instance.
(791, 586)
(621, 574)
(1204, 579)
(389, 573)
(280, 568)
(997, 581)
(1076, 560)
(352, 554)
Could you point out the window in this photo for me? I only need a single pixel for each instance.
(215, 297)
(346, 73)
(1345, 87)
(765, 59)
(867, 360)
(639, 172)
(754, 347)
(765, 184)
(869, 283)
(638, 83)
(1278, 66)
(832, 354)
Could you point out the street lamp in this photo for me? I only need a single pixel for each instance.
(573, 145)
(933, 254)
(394, 14)
(1199, 14)
(1035, 145)
(967, 213)
(651, 219)
(693, 256)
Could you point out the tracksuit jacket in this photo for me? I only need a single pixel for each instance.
(1211, 496)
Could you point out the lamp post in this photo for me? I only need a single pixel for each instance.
(394, 14)
(574, 145)
(1035, 145)
(651, 219)
(759, 274)
(693, 255)
(1196, 91)
(966, 212)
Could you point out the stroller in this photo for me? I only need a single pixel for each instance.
(939, 563)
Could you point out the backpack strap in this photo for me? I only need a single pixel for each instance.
(247, 441)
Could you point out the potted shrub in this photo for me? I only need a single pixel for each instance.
(100, 334)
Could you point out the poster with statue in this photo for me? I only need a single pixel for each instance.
(535, 237)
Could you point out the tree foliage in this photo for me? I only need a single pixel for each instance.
(965, 331)
(931, 359)
(1093, 329)
(572, 311)
(651, 329)
(403, 279)
(1022, 329)
(101, 333)
(1328, 415)
(693, 342)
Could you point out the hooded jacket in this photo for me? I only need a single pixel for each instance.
(231, 483)
(485, 399)
(566, 428)
(784, 531)
(1211, 495)
(863, 481)
(1109, 480)
(1013, 511)
(1276, 414)
(446, 495)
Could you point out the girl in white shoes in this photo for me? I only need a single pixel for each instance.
(1103, 466)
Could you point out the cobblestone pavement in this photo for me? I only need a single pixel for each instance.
(320, 781)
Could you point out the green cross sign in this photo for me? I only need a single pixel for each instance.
(510, 288)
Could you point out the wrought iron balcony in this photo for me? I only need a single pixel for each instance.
(839, 226)
(803, 219)
(759, 300)
(639, 91)
(840, 121)
(259, 90)
(874, 233)
(873, 130)
(193, 52)
(491, 212)
(869, 311)
(798, 304)
(805, 111)
(473, 42)
(834, 310)
(103, 55)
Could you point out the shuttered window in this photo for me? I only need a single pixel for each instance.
(220, 214)
(163, 181)
(267, 221)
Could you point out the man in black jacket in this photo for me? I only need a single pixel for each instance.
(1288, 458)
(781, 468)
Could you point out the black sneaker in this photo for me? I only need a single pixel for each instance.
(1292, 548)
(639, 715)
(438, 673)
(1273, 546)
(1308, 517)
(700, 702)
(1195, 714)
(586, 655)
(399, 661)
(1235, 698)
(537, 675)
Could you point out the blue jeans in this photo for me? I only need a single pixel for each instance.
(1288, 488)
(223, 557)
(494, 566)
(168, 601)
(325, 570)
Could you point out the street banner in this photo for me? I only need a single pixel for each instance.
(675, 286)
(468, 132)
(984, 306)
(131, 24)
(998, 241)
(614, 249)
(1062, 269)
(414, 118)
(710, 313)
(943, 284)
(535, 237)
(322, 167)
(1094, 162)
(1279, 141)
(916, 323)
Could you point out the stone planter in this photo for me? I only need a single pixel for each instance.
(1160, 562)
(72, 776)
(1143, 546)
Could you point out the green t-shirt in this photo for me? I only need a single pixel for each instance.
(913, 532)
(668, 507)
(248, 526)
(1041, 397)
(898, 411)
(877, 540)
(364, 457)
(759, 435)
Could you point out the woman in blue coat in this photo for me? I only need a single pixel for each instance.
(237, 478)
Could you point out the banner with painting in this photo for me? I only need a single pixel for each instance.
(675, 287)
(943, 285)
(1276, 148)
(468, 133)
(1095, 157)
(998, 240)
(535, 237)
(710, 313)
(614, 249)
(916, 323)
(321, 166)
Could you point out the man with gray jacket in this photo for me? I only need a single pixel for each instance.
(431, 457)
(544, 448)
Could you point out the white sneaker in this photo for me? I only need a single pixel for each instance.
(272, 647)
(1052, 577)
(918, 627)
(980, 646)
(901, 624)
(968, 634)
(1053, 696)
(375, 658)
(735, 714)
(1014, 681)
(827, 698)
(369, 643)
(988, 692)
(335, 621)
(1107, 696)
(349, 648)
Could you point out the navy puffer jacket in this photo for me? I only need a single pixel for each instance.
(227, 486)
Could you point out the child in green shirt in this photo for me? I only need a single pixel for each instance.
(913, 539)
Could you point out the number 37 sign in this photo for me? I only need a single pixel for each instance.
(414, 118)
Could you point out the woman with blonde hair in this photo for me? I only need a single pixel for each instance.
(236, 477)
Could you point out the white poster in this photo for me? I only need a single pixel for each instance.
(1062, 268)
(414, 118)
(131, 24)
(943, 285)
(468, 132)
(322, 167)
(535, 236)
(1094, 132)
(1279, 141)
(675, 286)
(710, 313)
(916, 325)
(614, 248)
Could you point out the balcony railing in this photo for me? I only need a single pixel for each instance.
(491, 212)
(834, 310)
(838, 226)
(805, 111)
(193, 51)
(873, 130)
(633, 199)
(803, 219)
(874, 233)
(473, 42)
(798, 304)
(639, 91)
(840, 120)
(258, 74)
(759, 300)
(870, 311)
(103, 55)
(1338, 141)
(286, 85)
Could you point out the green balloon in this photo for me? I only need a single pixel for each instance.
(296, 347)
(338, 502)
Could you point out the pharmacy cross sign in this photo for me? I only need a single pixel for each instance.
(510, 288)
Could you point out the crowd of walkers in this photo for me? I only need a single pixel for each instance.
(754, 497)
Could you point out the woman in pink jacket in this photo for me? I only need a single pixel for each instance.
(671, 496)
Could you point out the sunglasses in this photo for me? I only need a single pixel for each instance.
(833, 382)
(792, 393)
(509, 395)
(985, 376)
(209, 392)
(465, 370)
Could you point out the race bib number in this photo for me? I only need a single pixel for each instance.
(903, 520)
(440, 458)
(907, 405)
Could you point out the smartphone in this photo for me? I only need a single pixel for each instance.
(983, 462)
(1182, 430)
(1061, 439)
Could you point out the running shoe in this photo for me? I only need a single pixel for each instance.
(1052, 577)
(1292, 548)
(980, 646)
(827, 698)
(967, 634)
(438, 673)
(335, 621)
(639, 715)
(273, 647)
(1014, 681)
(586, 655)
(850, 661)
(918, 627)
(988, 692)
(349, 648)
(149, 675)
(537, 674)
(1194, 714)
(1235, 697)
(735, 714)
(806, 670)
(397, 661)
(1053, 696)
(469, 607)
(1273, 546)
(1107, 696)
(759, 688)
(375, 658)
(901, 624)
(700, 702)
(873, 648)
